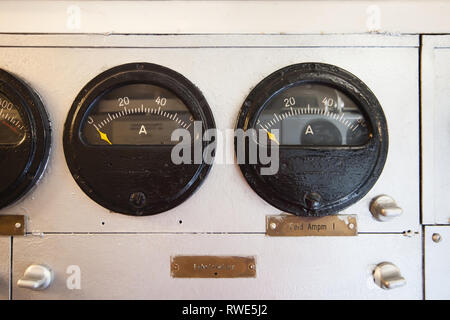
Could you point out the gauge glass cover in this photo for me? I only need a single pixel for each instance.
(312, 114)
(136, 114)
(12, 126)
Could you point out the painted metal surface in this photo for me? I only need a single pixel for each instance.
(437, 262)
(139, 266)
(394, 16)
(435, 129)
(5, 262)
(225, 68)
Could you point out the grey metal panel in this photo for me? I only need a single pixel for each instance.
(356, 16)
(437, 263)
(5, 263)
(225, 202)
(217, 40)
(138, 266)
(435, 132)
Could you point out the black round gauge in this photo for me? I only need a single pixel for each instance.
(327, 132)
(119, 143)
(24, 138)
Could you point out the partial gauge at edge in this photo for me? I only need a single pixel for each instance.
(24, 138)
(331, 135)
(117, 138)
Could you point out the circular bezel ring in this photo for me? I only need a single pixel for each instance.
(133, 73)
(37, 140)
(329, 75)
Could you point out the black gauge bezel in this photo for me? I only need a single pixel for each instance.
(355, 89)
(132, 73)
(34, 150)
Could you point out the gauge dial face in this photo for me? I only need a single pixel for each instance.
(312, 114)
(327, 135)
(24, 138)
(120, 133)
(12, 126)
(136, 114)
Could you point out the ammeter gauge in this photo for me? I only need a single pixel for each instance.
(331, 137)
(118, 138)
(24, 138)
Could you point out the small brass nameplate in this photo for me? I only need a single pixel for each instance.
(12, 225)
(212, 267)
(293, 226)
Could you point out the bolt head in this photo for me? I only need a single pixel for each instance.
(313, 200)
(138, 199)
(436, 237)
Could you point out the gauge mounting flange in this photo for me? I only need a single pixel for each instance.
(117, 138)
(332, 138)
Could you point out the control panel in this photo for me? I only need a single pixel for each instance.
(125, 185)
(223, 166)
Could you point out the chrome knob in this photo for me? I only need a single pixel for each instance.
(36, 277)
(387, 276)
(384, 208)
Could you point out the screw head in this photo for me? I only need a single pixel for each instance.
(436, 237)
(138, 199)
(18, 225)
(273, 225)
(313, 200)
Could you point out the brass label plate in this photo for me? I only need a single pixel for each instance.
(212, 267)
(293, 226)
(12, 225)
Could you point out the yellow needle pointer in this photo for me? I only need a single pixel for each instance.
(103, 136)
(272, 137)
